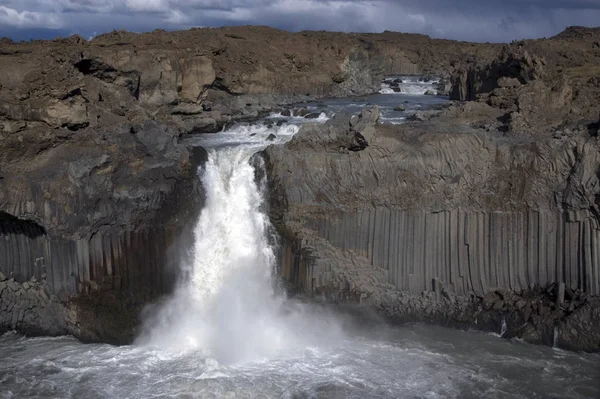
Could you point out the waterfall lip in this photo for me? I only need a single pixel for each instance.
(256, 136)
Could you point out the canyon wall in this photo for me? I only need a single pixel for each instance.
(92, 227)
(97, 191)
(438, 220)
(468, 251)
(477, 212)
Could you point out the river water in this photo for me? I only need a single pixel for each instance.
(228, 331)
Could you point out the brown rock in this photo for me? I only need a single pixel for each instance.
(508, 82)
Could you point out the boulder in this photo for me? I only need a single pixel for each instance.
(342, 132)
(301, 112)
(312, 115)
(512, 63)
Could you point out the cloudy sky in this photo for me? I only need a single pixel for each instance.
(475, 20)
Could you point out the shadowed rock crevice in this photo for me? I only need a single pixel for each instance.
(14, 225)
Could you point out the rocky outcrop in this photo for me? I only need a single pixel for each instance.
(91, 224)
(514, 66)
(436, 203)
(201, 79)
(537, 93)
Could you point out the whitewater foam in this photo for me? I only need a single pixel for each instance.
(227, 306)
(299, 119)
(411, 85)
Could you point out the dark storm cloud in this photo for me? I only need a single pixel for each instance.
(475, 20)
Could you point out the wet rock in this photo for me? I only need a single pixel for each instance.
(429, 93)
(271, 137)
(569, 294)
(286, 112)
(312, 115)
(399, 108)
(418, 116)
(301, 112)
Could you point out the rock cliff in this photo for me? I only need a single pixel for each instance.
(370, 210)
(474, 215)
(88, 219)
(499, 194)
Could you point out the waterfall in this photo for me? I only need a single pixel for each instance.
(227, 306)
(555, 337)
(504, 327)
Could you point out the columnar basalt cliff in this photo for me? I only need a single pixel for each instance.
(370, 211)
(481, 213)
(90, 226)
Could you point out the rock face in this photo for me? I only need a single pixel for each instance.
(513, 67)
(436, 203)
(539, 85)
(93, 217)
(468, 216)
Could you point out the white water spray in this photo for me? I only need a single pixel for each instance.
(410, 85)
(504, 327)
(227, 307)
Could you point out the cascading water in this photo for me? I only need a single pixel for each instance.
(504, 327)
(227, 306)
(411, 85)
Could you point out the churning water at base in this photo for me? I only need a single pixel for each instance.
(415, 361)
(227, 308)
(228, 333)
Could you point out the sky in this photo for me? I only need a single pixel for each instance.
(472, 20)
